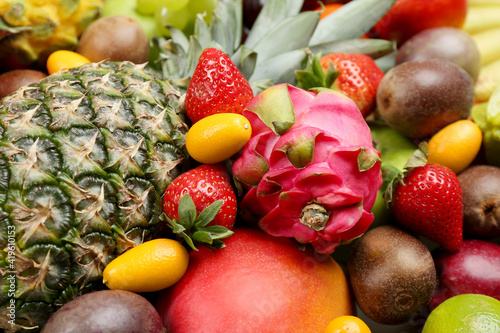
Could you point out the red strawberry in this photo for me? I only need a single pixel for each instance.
(200, 205)
(429, 202)
(217, 86)
(358, 78)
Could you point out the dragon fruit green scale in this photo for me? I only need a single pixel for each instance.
(310, 167)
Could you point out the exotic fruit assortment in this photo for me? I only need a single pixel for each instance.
(314, 171)
(241, 166)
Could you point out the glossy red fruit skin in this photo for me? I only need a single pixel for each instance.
(257, 283)
(205, 184)
(429, 203)
(474, 269)
(406, 18)
(358, 78)
(217, 86)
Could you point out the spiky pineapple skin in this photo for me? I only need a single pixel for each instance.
(85, 156)
(31, 30)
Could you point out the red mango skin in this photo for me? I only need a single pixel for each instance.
(257, 283)
(406, 18)
(474, 269)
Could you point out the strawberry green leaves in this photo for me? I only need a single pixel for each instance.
(193, 227)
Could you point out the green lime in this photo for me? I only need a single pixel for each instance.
(467, 313)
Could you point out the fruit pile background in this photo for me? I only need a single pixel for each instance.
(250, 166)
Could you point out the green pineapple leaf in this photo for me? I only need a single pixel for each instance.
(272, 13)
(372, 47)
(275, 42)
(359, 16)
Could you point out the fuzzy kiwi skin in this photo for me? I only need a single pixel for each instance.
(392, 274)
(481, 198)
(12, 80)
(418, 98)
(116, 38)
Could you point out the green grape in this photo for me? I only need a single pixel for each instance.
(180, 19)
(201, 6)
(128, 7)
(147, 7)
(174, 4)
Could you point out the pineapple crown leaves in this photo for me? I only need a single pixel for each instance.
(193, 227)
(271, 53)
(393, 177)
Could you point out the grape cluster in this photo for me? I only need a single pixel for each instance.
(180, 14)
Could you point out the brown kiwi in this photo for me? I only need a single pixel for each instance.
(116, 38)
(418, 98)
(392, 274)
(12, 80)
(481, 199)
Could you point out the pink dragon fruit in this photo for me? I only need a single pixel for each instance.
(310, 167)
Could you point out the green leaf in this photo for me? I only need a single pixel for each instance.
(226, 25)
(208, 214)
(419, 157)
(202, 237)
(272, 13)
(386, 62)
(189, 241)
(245, 60)
(187, 211)
(316, 66)
(372, 47)
(307, 80)
(281, 68)
(202, 31)
(260, 85)
(331, 76)
(352, 20)
(179, 38)
(277, 40)
(192, 56)
(218, 231)
(389, 173)
(218, 244)
(177, 226)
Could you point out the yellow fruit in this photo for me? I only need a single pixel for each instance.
(217, 137)
(64, 59)
(151, 266)
(347, 324)
(456, 145)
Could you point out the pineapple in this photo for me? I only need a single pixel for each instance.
(85, 156)
(31, 30)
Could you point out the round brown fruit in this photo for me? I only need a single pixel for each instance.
(115, 38)
(106, 311)
(12, 80)
(481, 198)
(392, 274)
(445, 43)
(418, 98)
